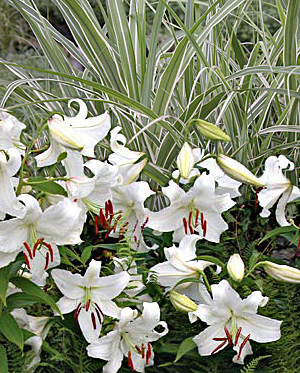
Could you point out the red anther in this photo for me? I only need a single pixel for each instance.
(135, 239)
(87, 305)
(96, 225)
(26, 260)
(77, 312)
(190, 219)
(138, 349)
(196, 218)
(202, 220)
(185, 225)
(47, 262)
(110, 207)
(130, 363)
(145, 223)
(218, 347)
(49, 247)
(242, 346)
(135, 225)
(219, 339)
(108, 232)
(227, 335)
(28, 249)
(143, 350)
(106, 209)
(93, 320)
(98, 315)
(204, 228)
(148, 354)
(237, 336)
(38, 243)
(102, 219)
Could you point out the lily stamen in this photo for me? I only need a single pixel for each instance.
(26, 260)
(50, 250)
(47, 261)
(238, 333)
(93, 320)
(242, 346)
(227, 335)
(130, 363)
(218, 347)
(96, 225)
(185, 225)
(148, 354)
(28, 249)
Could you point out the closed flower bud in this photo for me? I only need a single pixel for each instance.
(235, 267)
(181, 302)
(211, 131)
(63, 134)
(185, 160)
(237, 171)
(282, 272)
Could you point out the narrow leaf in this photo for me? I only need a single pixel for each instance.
(187, 345)
(11, 330)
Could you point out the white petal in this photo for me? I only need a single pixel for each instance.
(109, 287)
(261, 329)
(67, 305)
(187, 247)
(280, 209)
(204, 341)
(92, 274)
(106, 348)
(253, 301)
(49, 156)
(246, 350)
(6, 258)
(86, 325)
(12, 235)
(68, 283)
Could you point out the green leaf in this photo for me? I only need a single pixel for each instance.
(3, 359)
(86, 254)
(19, 300)
(277, 232)
(4, 279)
(211, 259)
(11, 330)
(187, 345)
(44, 185)
(30, 288)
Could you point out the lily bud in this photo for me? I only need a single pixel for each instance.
(185, 160)
(237, 171)
(236, 267)
(211, 131)
(282, 272)
(62, 132)
(181, 302)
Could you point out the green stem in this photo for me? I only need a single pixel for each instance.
(28, 151)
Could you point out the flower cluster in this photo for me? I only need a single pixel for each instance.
(106, 290)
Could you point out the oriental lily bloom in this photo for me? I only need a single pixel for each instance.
(131, 337)
(95, 191)
(182, 264)
(225, 183)
(59, 224)
(127, 160)
(74, 135)
(278, 187)
(90, 296)
(129, 200)
(233, 322)
(36, 325)
(10, 131)
(9, 204)
(185, 160)
(199, 209)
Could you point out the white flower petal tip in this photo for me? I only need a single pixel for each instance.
(236, 267)
(185, 160)
(10, 131)
(234, 322)
(282, 272)
(237, 171)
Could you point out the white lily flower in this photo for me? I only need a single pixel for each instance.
(59, 224)
(131, 337)
(10, 131)
(129, 200)
(278, 187)
(225, 183)
(74, 135)
(37, 325)
(90, 296)
(180, 265)
(124, 158)
(9, 204)
(135, 285)
(199, 210)
(95, 191)
(233, 321)
(282, 272)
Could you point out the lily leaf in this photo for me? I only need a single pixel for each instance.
(187, 345)
(11, 330)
